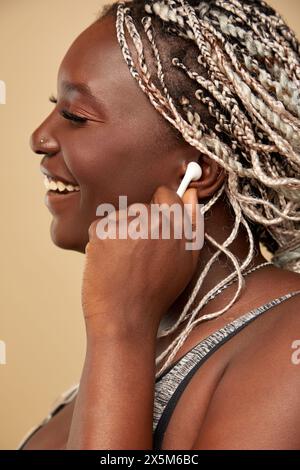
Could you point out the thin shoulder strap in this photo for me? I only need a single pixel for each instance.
(171, 384)
(59, 403)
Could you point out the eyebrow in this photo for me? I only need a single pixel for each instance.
(85, 90)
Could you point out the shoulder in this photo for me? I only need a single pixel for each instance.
(257, 403)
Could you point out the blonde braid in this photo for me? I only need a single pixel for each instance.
(235, 100)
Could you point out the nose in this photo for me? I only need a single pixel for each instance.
(43, 142)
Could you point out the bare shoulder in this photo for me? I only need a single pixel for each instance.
(257, 403)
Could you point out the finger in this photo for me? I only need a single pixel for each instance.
(93, 230)
(166, 201)
(191, 197)
(197, 222)
(165, 195)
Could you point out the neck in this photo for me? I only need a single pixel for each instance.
(218, 226)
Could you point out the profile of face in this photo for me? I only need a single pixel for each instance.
(118, 143)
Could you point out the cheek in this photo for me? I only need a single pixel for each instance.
(108, 164)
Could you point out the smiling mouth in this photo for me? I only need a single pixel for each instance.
(58, 186)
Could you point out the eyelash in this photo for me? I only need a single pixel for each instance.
(69, 116)
(52, 99)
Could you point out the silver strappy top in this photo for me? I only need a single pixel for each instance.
(171, 383)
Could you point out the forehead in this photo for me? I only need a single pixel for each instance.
(96, 60)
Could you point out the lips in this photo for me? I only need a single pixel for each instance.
(57, 177)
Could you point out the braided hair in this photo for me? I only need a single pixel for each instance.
(225, 74)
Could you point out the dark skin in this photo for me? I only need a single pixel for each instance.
(130, 130)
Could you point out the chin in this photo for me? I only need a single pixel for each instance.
(67, 239)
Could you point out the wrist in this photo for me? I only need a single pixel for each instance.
(134, 326)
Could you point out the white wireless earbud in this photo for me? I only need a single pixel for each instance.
(193, 173)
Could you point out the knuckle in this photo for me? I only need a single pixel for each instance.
(93, 229)
(160, 191)
(87, 248)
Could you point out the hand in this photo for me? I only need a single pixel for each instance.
(133, 282)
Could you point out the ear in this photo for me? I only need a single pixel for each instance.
(213, 176)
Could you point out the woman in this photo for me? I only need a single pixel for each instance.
(220, 86)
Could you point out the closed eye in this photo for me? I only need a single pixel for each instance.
(69, 116)
(72, 117)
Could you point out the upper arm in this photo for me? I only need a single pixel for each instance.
(257, 403)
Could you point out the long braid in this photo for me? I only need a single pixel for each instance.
(227, 79)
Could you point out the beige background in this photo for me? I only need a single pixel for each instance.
(41, 321)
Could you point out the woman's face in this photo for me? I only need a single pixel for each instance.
(120, 146)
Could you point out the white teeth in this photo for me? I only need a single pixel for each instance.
(59, 185)
(46, 182)
(53, 186)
